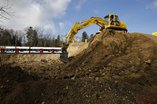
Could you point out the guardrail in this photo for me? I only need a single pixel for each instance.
(29, 50)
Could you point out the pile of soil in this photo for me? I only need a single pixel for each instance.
(116, 68)
(115, 56)
(75, 48)
(126, 59)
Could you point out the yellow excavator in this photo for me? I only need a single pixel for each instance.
(110, 21)
(155, 33)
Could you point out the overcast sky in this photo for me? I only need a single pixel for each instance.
(57, 16)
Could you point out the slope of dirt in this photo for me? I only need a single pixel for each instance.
(45, 65)
(75, 48)
(115, 56)
(152, 37)
(127, 59)
(33, 57)
(10, 77)
(116, 68)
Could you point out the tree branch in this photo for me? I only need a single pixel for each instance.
(3, 11)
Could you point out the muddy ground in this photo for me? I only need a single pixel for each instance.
(116, 68)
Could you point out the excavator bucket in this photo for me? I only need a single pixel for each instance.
(64, 55)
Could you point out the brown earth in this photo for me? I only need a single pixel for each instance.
(116, 68)
(42, 64)
(75, 48)
(115, 56)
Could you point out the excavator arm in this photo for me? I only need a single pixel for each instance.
(83, 24)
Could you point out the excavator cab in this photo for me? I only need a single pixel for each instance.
(111, 19)
(113, 22)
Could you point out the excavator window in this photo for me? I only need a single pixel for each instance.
(116, 18)
(117, 21)
(112, 19)
(107, 20)
(106, 17)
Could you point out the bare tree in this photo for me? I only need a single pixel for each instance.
(4, 10)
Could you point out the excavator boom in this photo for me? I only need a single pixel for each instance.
(83, 24)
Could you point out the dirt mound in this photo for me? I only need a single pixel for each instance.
(75, 48)
(152, 37)
(125, 58)
(115, 56)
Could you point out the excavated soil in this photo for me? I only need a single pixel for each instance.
(115, 56)
(75, 48)
(116, 68)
